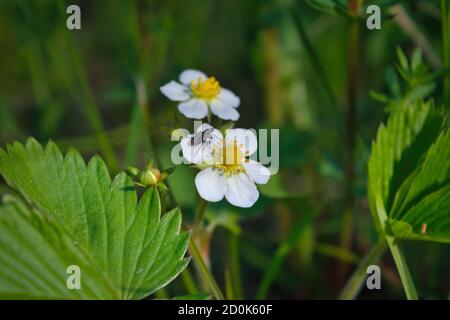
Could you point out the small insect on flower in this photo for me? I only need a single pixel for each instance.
(226, 170)
(205, 136)
(199, 145)
(200, 95)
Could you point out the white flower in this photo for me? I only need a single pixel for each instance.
(226, 170)
(197, 93)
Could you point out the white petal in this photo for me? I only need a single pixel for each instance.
(245, 139)
(188, 75)
(257, 172)
(196, 154)
(229, 97)
(193, 154)
(175, 91)
(241, 191)
(194, 108)
(224, 111)
(211, 184)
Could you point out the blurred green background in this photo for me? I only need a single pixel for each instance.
(291, 62)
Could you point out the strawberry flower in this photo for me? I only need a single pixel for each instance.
(226, 170)
(199, 95)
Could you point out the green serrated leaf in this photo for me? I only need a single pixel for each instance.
(35, 254)
(409, 172)
(127, 242)
(398, 148)
(431, 176)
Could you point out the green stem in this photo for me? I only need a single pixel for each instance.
(135, 136)
(162, 294)
(199, 215)
(189, 282)
(354, 6)
(400, 262)
(229, 290)
(79, 86)
(355, 282)
(90, 107)
(402, 268)
(204, 272)
(281, 253)
(235, 265)
(94, 118)
(142, 101)
(445, 12)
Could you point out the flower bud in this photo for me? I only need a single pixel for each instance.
(132, 171)
(149, 177)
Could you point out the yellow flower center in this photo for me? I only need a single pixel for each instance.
(207, 89)
(229, 158)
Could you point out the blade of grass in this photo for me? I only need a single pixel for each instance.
(68, 60)
(189, 282)
(90, 107)
(337, 252)
(162, 294)
(235, 266)
(42, 88)
(354, 7)
(135, 136)
(139, 115)
(282, 251)
(229, 290)
(356, 281)
(445, 21)
(149, 49)
(204, 272)
(88, 143)
(296, 15)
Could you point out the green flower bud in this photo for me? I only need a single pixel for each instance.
(149, 177)
(132, 171)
